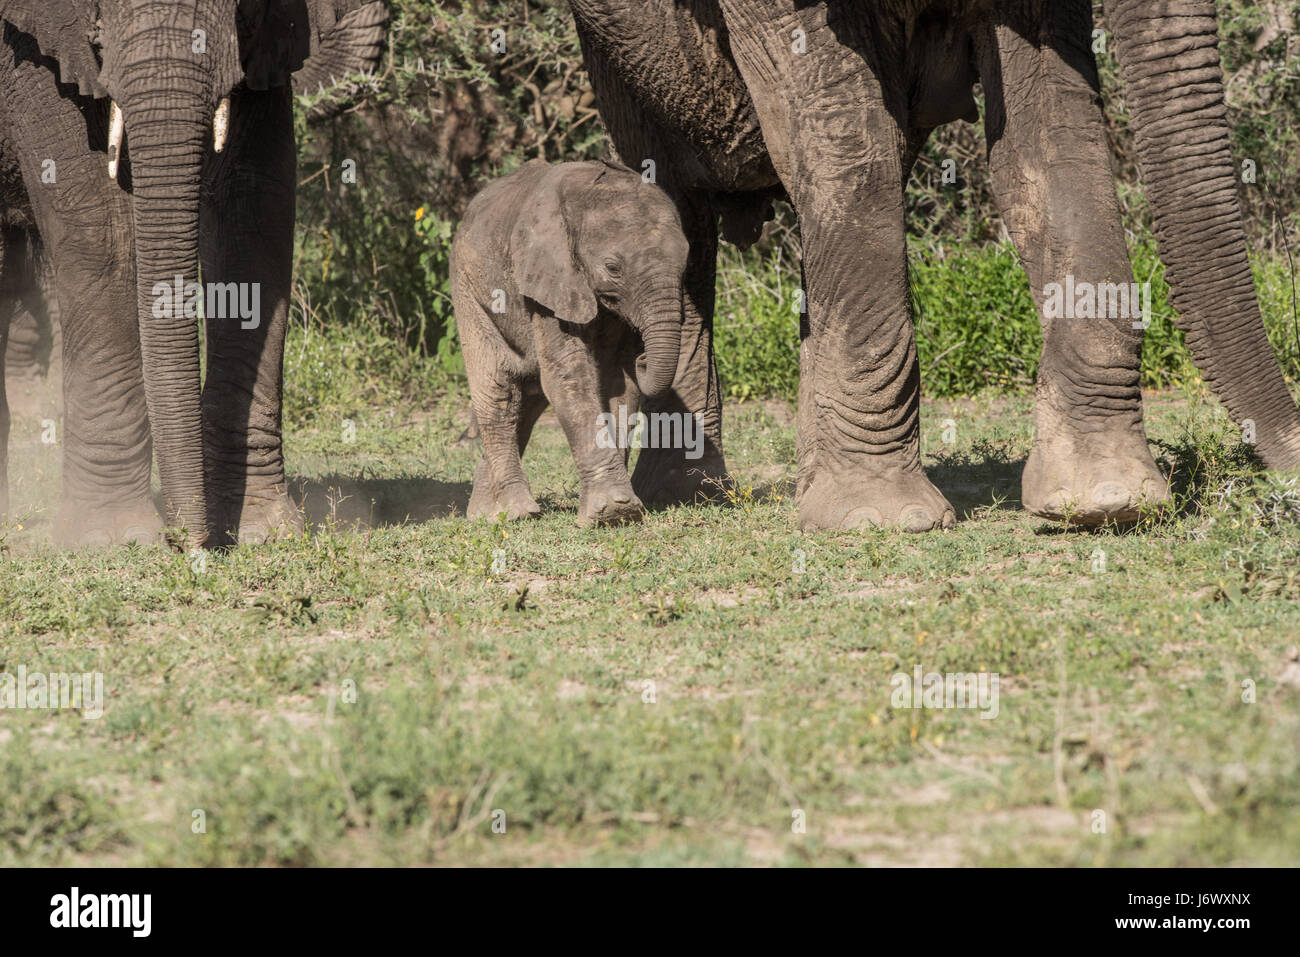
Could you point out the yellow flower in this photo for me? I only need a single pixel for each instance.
(419, 214)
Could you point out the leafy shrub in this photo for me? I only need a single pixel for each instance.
(446, 114)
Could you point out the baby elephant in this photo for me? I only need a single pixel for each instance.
(567, 286)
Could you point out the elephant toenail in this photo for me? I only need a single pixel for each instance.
(1154, 493)
(1111, 497)
(916, 519)
(864, 517)
(253, 535)
(1055, 503)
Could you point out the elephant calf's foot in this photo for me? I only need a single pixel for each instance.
(662, 479)
(1090, 479)
(95, 525)
(515, 502)
(611, 503)
(894, 498)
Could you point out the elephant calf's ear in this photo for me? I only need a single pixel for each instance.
(545, 269)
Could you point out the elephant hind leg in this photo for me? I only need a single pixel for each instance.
(506, 414)
(31, 357)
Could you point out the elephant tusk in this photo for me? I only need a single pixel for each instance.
(116, 127)
(221, 124)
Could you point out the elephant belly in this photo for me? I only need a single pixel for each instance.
(941, 69)
(669, 91)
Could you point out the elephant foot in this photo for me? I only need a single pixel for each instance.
(894, 498)
(612, 503)
(666, 477)
(515, 502)
(259, 520)
(1091, 478)
(95, 525)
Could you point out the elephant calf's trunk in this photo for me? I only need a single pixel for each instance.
(661, 331)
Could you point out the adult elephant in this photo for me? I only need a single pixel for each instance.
(833, 101)
(144, 140)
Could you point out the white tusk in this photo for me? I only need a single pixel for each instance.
(221, 124)
(116, 127)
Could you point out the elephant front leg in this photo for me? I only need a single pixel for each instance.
(1051, 173)
(246, 249)
(85, 223)
(859, 415)
(840, 150)
(573, 384)
(671, 476)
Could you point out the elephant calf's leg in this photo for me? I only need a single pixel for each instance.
(1051, 174)
(505, 414)
(572, 382)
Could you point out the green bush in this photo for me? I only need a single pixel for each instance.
(443, 115)
(446, 114)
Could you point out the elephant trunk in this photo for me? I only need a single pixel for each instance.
(660, 325)
(167, 132)
(1169, 62)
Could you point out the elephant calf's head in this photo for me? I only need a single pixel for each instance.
(603, 238)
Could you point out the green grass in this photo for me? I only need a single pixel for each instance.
(667, 694)
(976, 324)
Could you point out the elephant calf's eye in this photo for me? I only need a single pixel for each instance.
(613, 267)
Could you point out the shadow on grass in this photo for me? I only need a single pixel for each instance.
(377, 503)
(984, 478)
